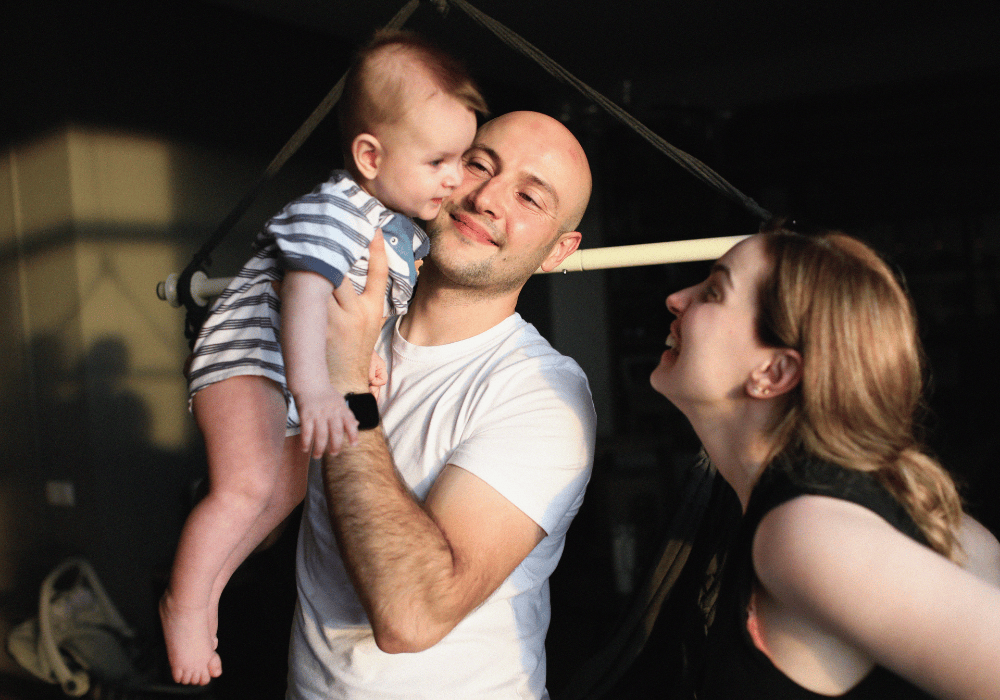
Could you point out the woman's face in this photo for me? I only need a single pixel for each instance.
(713, 347)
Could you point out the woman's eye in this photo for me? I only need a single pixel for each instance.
(437, 163)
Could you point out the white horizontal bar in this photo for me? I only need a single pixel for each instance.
(202, 287)
(648, 254)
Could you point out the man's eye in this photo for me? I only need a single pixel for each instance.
(475, 165)
(527, 198)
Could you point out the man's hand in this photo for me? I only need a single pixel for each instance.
(378, 377)
(354, 322)
(325, 420)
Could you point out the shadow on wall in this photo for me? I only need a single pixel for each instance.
(130, 499)
(120, 499)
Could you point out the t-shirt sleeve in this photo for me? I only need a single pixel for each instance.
(533, 439)
(322, 233)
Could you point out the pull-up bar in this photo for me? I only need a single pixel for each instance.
(203, 288)
(647, 254)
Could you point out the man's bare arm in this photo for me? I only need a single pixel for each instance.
(418, 568)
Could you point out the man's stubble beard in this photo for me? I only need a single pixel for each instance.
(483, 278)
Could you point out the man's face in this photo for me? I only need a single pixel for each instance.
(524, 177)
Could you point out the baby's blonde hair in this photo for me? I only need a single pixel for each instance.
(376, 88)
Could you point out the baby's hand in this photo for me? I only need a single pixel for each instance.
(377, 375)
(325, 419)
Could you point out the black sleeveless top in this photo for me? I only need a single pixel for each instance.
(734, 666)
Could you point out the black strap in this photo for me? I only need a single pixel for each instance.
(686, 161)
(699, 493)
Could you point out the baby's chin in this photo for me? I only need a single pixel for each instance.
(426, 213)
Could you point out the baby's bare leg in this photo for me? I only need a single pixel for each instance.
(289, 490)
(243, 422)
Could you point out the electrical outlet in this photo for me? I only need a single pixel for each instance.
(60, 493)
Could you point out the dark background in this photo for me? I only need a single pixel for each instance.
(879, 118)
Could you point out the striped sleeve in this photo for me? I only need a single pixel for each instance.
(322, 232)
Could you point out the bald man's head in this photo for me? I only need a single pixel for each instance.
(526, 186)
(560, 148)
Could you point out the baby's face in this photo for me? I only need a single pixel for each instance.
(422, 155)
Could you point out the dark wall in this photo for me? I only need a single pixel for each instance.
(910, 166)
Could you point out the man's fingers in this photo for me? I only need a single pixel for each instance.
(377, 278)
(378, 266)
(354, 322)
(344, 295)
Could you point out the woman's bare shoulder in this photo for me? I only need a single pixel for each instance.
(981, 550)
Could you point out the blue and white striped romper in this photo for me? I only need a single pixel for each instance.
(327, 232)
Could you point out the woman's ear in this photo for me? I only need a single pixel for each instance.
(367, 153)
(779, 375)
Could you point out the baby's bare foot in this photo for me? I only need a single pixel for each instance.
(190, 646)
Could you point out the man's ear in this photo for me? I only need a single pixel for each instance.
(562, 249)
(367, 153)
(779, 375)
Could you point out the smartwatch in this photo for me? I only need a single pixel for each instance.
(365, 409)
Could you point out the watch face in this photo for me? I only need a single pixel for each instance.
(365, 409)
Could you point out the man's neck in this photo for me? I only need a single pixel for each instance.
(440, 314)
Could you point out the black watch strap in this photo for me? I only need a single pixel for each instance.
(365, 409)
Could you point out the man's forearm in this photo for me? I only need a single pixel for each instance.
(399, 560)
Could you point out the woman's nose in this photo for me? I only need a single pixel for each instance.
(676, 302)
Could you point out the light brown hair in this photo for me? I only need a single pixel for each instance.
(835, 301)
(375, 90)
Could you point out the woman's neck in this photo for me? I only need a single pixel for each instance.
(738, 444)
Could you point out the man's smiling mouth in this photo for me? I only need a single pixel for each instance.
(470, 229)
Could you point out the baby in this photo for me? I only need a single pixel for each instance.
(407, 115)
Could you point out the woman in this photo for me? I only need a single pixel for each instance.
(797, 362)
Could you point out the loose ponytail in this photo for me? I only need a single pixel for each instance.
(832, 299)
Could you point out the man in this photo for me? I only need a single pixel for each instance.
(450, 517)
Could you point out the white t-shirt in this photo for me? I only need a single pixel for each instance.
(505, 406)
